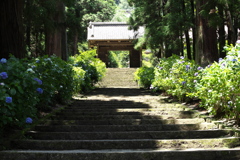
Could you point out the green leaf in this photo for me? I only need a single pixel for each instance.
(20, 89)
(4, 110)
(13, 91)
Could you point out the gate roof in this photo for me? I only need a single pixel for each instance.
(112, 31)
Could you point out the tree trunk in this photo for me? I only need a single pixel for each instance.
(206, 40)
(188, 44)
(54, 40)
(64, 44)
(193, 29)
(221, 33)
(11, 28)
(28, 27)
(231, 32)
(186, 32)
(75, 42)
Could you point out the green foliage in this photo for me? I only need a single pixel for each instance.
(149, 59)
(164, 23)
(144, 76)
(162, 73)
(94, 11)
(123, 12)
(113, 60)
(118, 59)
(93, 67)
(82, 47)
(175, 75)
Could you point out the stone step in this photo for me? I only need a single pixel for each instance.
(161, 154)
(121, 128)
(128, 113)
(125, 106)
(127, 109)
(125, 121)
(128, 135)
(116, 114)
(122, 144)
(121, 117)
(119, 77)
(114, 94)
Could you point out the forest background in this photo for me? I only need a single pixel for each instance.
(198, 29)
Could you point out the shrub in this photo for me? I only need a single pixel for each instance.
(94, 68)
(78, 79)
(184, 75)
(162, 73)
(144, 76)
(177, 76)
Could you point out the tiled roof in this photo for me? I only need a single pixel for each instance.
(112, 31)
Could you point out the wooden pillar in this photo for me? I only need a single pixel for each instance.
(102, 54)
(135, 58)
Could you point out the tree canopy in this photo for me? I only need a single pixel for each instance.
(196, 29)
(196, 26)
(49, 27)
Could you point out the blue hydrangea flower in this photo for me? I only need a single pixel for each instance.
(234, 60)
(220, 59)
(38, 80)
(40, 90)
(196, 74)
(199, 68)
(3, 60)
(182, 57)
(29, 120)
(2, 84)
(8, 99)
(184, 82)
(195, 81)
(4, 75)
(187, 67)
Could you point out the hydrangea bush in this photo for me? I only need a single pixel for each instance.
(29, 86)
(57, 77)
(219, 88)
(19, 95)
(216, 85)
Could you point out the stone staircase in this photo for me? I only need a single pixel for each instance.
(119, 78)
(122, 122)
